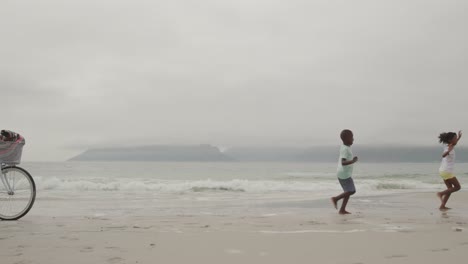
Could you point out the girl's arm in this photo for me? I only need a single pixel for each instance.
(458, 138)
(450, 148)
(452, 145)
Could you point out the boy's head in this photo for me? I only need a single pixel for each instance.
(347, 137)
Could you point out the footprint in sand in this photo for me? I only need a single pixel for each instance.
(233, 251)
(22, 262)
(440, 250)
(142, 227)
(87, 249)
(114, 260)
(396, 256)
(69, 238)
(19, 250)
(315, 223)
(116, 249)
(117, 227)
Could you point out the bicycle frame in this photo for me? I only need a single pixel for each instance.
(6, 183)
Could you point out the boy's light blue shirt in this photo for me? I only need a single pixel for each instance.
(345, 172)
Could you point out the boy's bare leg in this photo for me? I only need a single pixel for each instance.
(345, 202)
(334, 202)
(345, 196)
(337, 198)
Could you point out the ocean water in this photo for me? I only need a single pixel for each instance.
(137, 187)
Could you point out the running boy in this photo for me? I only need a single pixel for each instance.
(345, 171)
(450, 139)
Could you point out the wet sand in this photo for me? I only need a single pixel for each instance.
(403, 228)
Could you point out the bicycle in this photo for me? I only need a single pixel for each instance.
(17, 187)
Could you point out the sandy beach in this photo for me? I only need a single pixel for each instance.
(403, 228)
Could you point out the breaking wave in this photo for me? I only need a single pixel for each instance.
(237, 185)
(364, 186)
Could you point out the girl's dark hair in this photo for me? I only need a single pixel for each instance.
(446, 137)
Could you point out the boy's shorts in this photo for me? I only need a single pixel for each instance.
(446, 175)
(347, 184)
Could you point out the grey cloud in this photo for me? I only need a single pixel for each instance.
(229, 73)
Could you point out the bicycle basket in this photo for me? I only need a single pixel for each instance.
(10, 151)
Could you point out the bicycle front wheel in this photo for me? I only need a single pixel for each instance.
(17, 193)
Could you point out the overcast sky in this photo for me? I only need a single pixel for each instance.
(81, 73)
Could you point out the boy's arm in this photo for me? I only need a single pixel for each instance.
(345, 162)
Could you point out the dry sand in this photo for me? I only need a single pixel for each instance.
(405, 228)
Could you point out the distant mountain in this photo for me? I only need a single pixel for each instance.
(330, 154)
(266, 154)
(154, 153)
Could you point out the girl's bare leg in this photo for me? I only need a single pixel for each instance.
(452, 186)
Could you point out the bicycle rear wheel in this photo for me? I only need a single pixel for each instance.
(17, 193)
